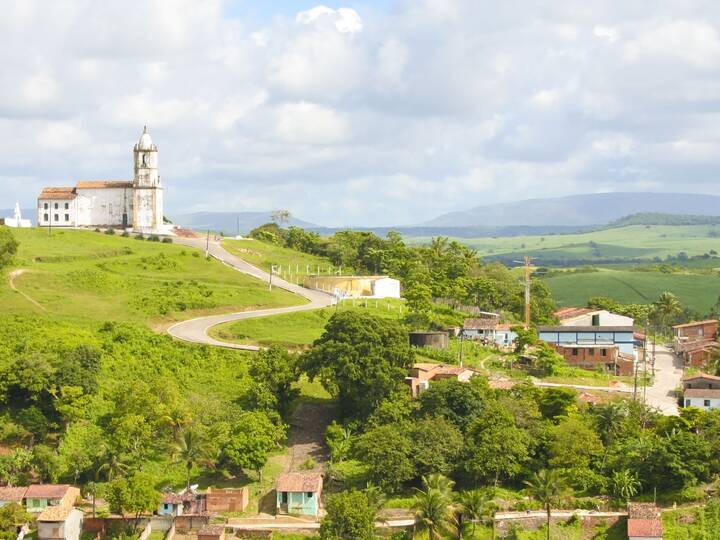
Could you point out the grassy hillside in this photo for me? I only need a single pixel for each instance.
(636, 242)
(266, 255)
(85, 275)
(695, 291)
(298, 330)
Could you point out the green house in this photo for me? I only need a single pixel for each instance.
(299, 493)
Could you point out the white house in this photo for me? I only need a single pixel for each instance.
(136, 204)
(591, 317)
(704, 398)
(59, 523)
(386, 287)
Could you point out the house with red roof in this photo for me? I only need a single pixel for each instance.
(299, 493)
(701, 390)
(644, 522)
(422, 373)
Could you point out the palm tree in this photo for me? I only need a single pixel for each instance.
(439, 482)
(431, 512)
(625, 485)
(547, 487)
(190, 449)
(114, 465)
(473, 506)
(608, 419)
(666, 307)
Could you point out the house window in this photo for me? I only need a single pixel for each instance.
(284, 497)
(603, 352)
(706, 403)
(56, 206)
(57, 217)
(687, 402)
(701, 331)
(67, 205)
(591, 352)
(46, 206)
(574, 352)
(309, 494)
(67, 217)
(45, 216)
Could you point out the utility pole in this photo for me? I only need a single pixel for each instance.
(207, 244)
(272, 269)
(645, 381)
(526, 283)
(462, 350)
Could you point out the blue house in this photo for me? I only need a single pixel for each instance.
(622, 337)
(299, 493)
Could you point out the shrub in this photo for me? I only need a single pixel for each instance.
(139, 237)
(125, 234)
(308, 464)
(154, 238)
(167, 240)
(111, 232)
(97, 229)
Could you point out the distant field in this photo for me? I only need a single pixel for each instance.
(85, 275)
(637, 241)
(696, 291)
(266, 255)
(298, 330)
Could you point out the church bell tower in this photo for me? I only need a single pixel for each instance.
(147, 190)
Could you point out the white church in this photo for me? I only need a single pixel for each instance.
(136, 204)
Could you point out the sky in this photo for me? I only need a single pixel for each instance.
(375, 112)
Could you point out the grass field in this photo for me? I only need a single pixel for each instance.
(287, 261)
(695, 291)
(637, 241)
(298, 330)
(85, 275)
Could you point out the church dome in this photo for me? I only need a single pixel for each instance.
(145, 142)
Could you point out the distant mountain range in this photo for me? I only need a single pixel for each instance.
(578, 210)
(232, 222)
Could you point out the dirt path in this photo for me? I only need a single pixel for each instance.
(12, 276)
(307, 435)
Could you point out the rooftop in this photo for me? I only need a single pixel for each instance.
(57, 193)
(572, 312)
(481, 323)
(699, 345)
(299, 482)
(696, 323)
(591, 329)
(704, 393)
(55, 513)
(47, 491)
(15, 494)
(701, 375)
(103, 184)
(645, 528)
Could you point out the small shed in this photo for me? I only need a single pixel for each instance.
(59, 523)
(299, 493)
(226, 500)
(436, 340)
(644, 522)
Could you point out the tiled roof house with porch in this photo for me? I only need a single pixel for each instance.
(299, 493)
(696, 342)
(701, 390)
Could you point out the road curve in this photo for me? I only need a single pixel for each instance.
(196, 330)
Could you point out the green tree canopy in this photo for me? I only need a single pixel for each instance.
(349, 515)
(360, 359)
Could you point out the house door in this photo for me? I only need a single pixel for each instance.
(124, 220)
(284, 497)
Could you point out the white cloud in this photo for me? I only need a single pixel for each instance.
(309, 123)
(344, 20)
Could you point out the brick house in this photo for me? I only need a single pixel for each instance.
(422, 373)
(698, 353)
(609, 358)
(226, 500)
(696, 330)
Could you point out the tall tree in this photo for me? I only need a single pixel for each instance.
(666, 308)
(8, 246)
(191, 449)
(548, 488)
(432, 512)
(360, 359)
(348, 515)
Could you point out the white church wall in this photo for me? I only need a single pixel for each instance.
(104, 207)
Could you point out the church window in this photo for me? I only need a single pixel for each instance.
(56, 206)
(67, 205)
(67, 217)
(46, 207)
(45, 218)
(57, 218)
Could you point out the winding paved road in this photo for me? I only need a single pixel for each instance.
(196, 330)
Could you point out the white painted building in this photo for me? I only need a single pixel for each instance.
(703, 398)
(136, 204)
(386, 287)
(592, 317)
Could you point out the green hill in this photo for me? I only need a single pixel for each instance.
(85, 275)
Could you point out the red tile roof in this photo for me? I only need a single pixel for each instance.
(696, 323)
(102, 184)
(645, 528)
(47, 491)
(572, 312)
(705, 393)
(299, 482)
(14, 494)
(700, 375)
(692, 346)
(55, 513)
(481, 323)
(60, 193)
